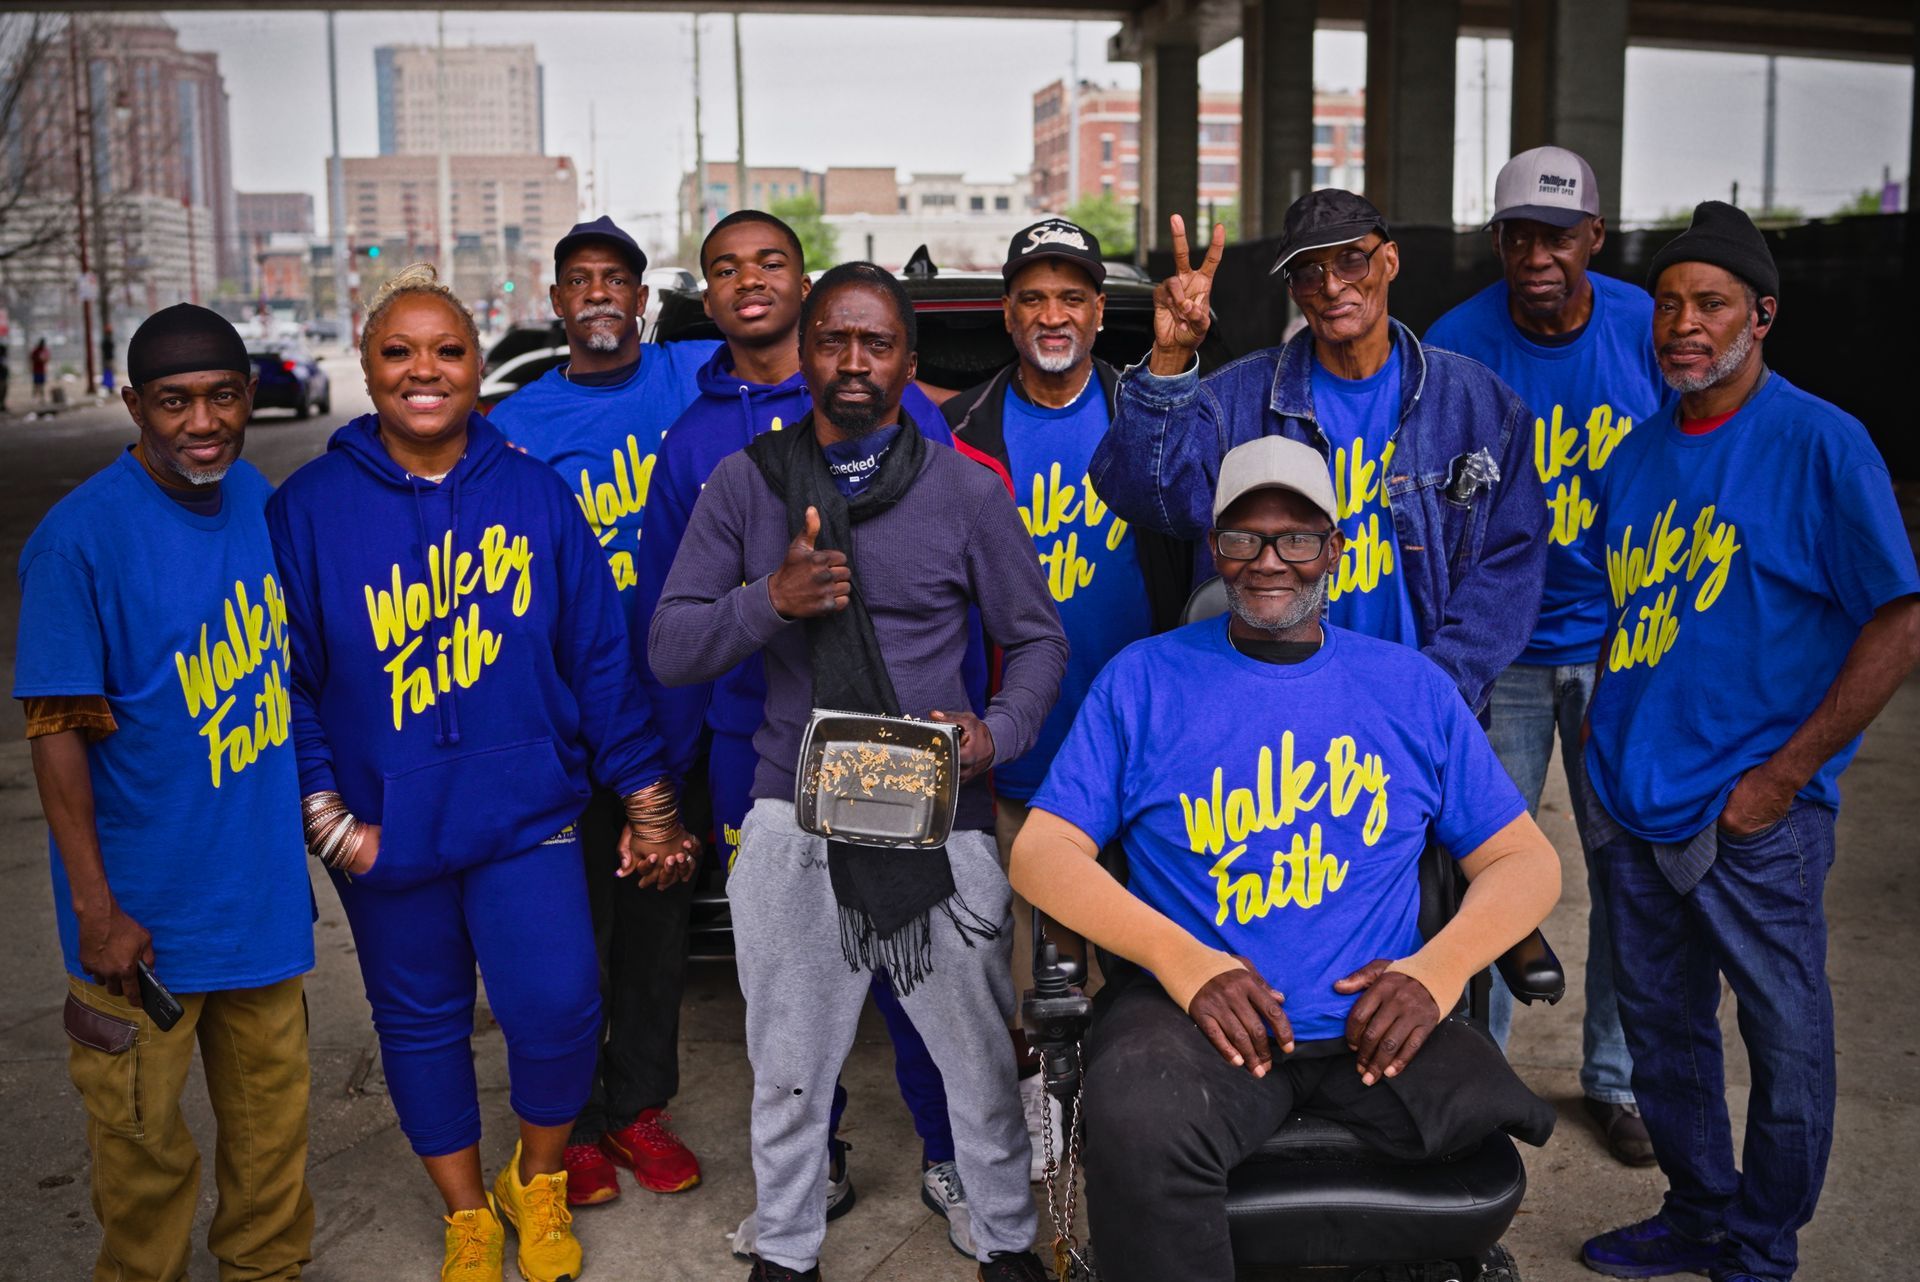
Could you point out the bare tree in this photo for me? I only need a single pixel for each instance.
(31, 217)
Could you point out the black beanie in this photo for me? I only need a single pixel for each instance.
(1724, 236)
(184, 339)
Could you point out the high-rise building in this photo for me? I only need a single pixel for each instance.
(1109, 124)
(493, 102)
(268, 213)
(148, 130)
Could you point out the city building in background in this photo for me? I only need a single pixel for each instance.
(507, 213)
(874, 213)
(1109, 159)
(148, 129)
(495, 101)
(272, 222)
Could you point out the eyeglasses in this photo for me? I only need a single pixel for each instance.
(1350, 265)
(1295, 547)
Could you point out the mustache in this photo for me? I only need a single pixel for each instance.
(853, 382)
(601, 311)
(1686, 346)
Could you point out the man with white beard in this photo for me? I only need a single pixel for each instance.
(1037, 423)
(598, 420)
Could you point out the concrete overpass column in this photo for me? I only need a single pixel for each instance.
(1169, 140)
(1276, 111)
(1570, 84)
(1410, 82)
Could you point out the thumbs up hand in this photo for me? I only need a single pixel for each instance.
(810, 583)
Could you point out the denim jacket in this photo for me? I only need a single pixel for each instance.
(1468, 510)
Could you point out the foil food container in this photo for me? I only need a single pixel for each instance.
(877, 781)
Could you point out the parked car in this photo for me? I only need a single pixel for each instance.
(522, 355)
(963, 339)
(290, 379)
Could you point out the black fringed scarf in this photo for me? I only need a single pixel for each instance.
(886, 895)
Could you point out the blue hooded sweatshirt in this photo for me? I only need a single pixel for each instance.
(464, 711)
(726, 417)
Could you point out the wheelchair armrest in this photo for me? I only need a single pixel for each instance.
(1532, 972)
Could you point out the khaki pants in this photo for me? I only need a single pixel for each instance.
(146, 1170)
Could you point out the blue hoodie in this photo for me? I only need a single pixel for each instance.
(462, 712)
(726, 417)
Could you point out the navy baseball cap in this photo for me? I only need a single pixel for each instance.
(1055, 238)
(604, 229)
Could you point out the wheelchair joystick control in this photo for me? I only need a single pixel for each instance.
(1054, 1014)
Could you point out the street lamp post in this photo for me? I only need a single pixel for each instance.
(80, 138)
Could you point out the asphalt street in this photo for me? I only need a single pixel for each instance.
(378, 1216)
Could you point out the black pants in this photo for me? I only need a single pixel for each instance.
(641, 938)
(1167, 1119)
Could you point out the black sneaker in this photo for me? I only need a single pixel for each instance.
(1014, 1266)
(768, 1271)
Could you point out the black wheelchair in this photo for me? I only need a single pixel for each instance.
(1315, 1202)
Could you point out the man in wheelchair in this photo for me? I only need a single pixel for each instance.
(1274, 782)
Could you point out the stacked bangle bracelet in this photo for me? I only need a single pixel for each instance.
(331, 829)
(654, 812)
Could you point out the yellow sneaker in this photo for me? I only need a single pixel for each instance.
(549, 1252)
(476, 1241)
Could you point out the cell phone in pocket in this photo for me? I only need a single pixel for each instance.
(161, 1006)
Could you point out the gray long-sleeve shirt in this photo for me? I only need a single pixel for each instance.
(954, 541)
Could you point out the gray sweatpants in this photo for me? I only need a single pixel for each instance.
(803, 1006)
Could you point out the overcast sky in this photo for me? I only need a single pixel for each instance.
(956, 94)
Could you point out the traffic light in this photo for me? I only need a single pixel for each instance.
(373, 251)
(508, 287)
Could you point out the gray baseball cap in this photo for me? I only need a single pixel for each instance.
(1274, 463)
(1548, 185)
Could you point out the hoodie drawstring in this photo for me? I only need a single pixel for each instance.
(746, 413)
(446, 707)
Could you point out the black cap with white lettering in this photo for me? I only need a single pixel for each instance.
(1055, 238)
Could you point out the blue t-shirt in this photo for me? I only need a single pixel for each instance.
(603, 440)
(1367, 591)
(179, 621)
(1279, 811)
(1742, 565)
(1586, 396)
(1086, 551)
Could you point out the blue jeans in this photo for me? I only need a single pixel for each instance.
(1756, 917)
(1528, 703)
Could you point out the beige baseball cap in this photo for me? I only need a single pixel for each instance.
(1274, 463)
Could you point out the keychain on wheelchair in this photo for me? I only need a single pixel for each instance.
(1054, 1013)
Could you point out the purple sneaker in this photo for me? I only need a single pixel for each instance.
(1650, 1249)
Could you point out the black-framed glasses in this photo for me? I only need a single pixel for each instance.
(1350, 265)
(1295, 547)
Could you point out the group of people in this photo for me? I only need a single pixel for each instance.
(510, 734)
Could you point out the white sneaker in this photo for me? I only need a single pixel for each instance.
(1042, 1113)
(945, 1196)
(745, 1240)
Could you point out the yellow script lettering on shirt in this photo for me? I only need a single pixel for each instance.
(1368, 555)
(1667, 552)
(1220, 823)
(1557, 448)
(255, 636)
(1056, 505)
(610, 502)
(404, 609)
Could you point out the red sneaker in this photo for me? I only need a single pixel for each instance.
(591, 1178)
(659, 1160)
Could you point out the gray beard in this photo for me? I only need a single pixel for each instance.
(1055, 364)
(198, 475)
(1306, 605)
(1717, 371)
(601, 340)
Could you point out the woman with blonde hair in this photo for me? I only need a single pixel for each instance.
(461, 670)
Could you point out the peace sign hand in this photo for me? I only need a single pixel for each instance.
(1181, 302)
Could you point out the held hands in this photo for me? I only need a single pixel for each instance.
(1180, 303)
(1392, 1020)
(1760, 800)
(810, 583)
(110, 946)
(658, 865)
(1235, 1009)
(976, 742)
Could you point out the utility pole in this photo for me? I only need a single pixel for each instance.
(699, 143)
(740, 190)
(593, 158)
(80, 138)
(1486, 157)
(1773, 122)
(445, 184)
(1073, 120)
(337, 202)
